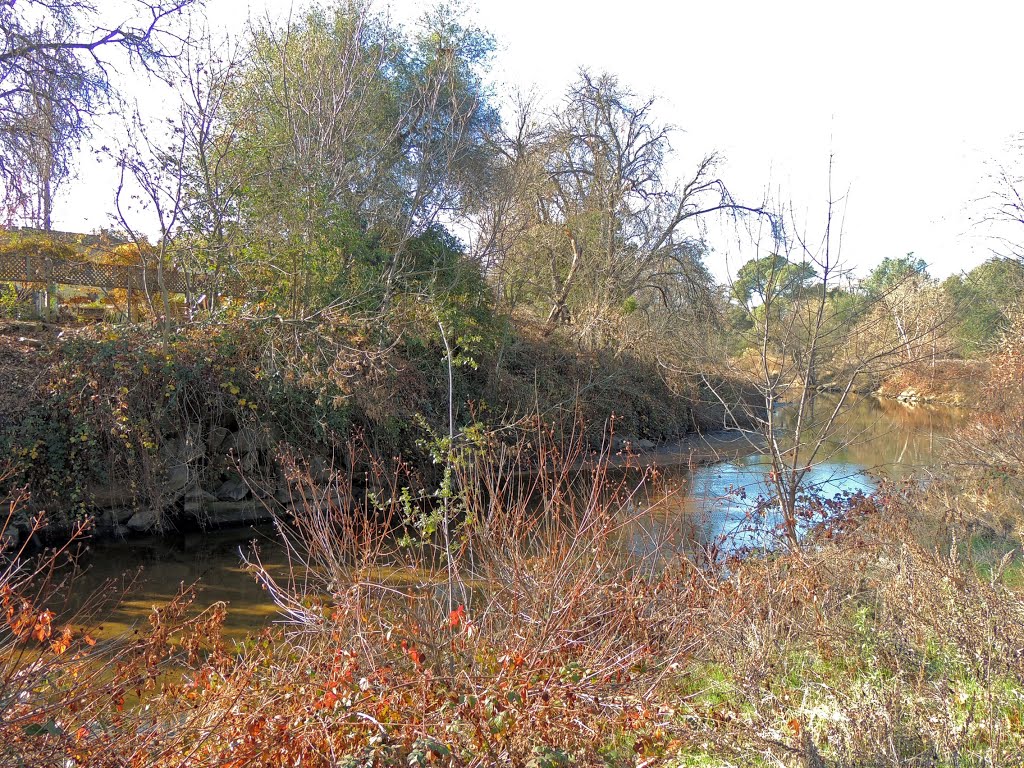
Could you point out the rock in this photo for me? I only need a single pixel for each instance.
(144, 520)
(632, 444)
(180, 456)
(185, 448)
(300, 494)
(234, 489)
(196, 498)
(10, 538)
(23, 523)
(911, 395)
(103, 496)
(228, 420)
(250, 463)
(237, 512)
(178, 476)
(215, 440)
(199, 493)
(245, 440)
(115, 516)
(263, 489)
(320, 469)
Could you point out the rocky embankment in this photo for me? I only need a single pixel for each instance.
(212, 476)
(115, 426)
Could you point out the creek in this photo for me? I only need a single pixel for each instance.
(707, 489)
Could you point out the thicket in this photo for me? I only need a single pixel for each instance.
(112, 401)
(541, 631)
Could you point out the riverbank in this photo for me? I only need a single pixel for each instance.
(495, 630)
(706, 488)
(941, 382)
(139, 434)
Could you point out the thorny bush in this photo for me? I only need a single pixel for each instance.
(535, 634)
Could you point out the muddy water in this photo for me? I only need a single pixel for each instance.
(709, 487)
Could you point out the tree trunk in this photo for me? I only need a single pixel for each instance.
(562, 290)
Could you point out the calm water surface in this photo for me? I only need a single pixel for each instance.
(708, 490)
(874, 440)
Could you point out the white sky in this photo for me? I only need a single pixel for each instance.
(912, 98)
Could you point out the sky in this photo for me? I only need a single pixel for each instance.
(911, 102)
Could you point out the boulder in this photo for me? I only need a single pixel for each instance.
(187, 445)
(144, 520)
(245, 440)
(169, 449)
(910, 395)
(216, 438)
(250, 463)
(177, 479)
(237, 512)
(103, 496)
(633, 444)
(233, 489)
(320, 469)
(114, 516)
(196, 499)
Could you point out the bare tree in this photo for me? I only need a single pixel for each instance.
(212, 182)
(151, 183)
(599, 231)
(56, 60)
(1004, 205)
(805, 341)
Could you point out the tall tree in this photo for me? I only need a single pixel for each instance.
(358, 137)
(210, 238)
(770, 278)
(905, 299)
(608, 231)
(892, 272)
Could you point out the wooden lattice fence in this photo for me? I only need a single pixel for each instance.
(18, 268)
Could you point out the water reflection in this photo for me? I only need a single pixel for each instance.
(871, 440)
(138, 575)
(697, 501)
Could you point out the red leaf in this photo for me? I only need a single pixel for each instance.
(456, 617)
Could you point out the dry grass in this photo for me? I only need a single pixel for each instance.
(950, 382)
(504, 620)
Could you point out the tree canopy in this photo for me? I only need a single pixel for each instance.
(891, 272)
(353, 138)
(771, 277)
